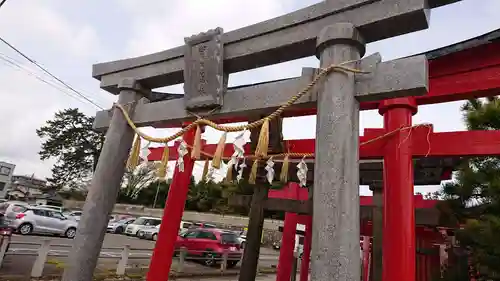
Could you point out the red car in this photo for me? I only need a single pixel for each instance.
(209, 245)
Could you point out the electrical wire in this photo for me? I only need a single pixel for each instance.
(50, 74)
(3, 2)
(8, 61)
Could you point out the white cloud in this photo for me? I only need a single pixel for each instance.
(164, 24)
(47, 36)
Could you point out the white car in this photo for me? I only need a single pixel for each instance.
(75, 215)
(142, 223)
(152, 233)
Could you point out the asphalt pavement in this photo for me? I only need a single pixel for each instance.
(23, 251)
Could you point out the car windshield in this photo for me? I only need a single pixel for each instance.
(229, 238)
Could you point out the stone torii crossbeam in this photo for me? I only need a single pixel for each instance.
(335, 31)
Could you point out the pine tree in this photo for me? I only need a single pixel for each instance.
(473, 199)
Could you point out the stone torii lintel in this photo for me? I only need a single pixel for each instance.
(284, 38)
(397, 78)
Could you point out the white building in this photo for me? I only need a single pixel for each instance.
(26, 187)
(6, 171)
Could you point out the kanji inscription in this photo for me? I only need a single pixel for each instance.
(203, 73)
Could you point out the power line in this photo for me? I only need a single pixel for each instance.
(15, 65)
(3, 2)
(49, 73)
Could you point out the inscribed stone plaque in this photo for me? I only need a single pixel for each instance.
(204, 82)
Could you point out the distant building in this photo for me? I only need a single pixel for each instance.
(6, 171)
(26, 187)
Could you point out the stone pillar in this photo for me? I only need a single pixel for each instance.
(335, 245)
(399, 207)
(161, 260)
(377, 224)
(287, 249)
(104, 188)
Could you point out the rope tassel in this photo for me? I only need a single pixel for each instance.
(284, 170)
(219, 151)
(263, 143)
(229, 173)
(253, 173)
(133, 159)
(162, 168)
(205, 170)
(196, 150)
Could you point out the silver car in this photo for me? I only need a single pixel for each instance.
(118, 227)
(150, 234)
(27, 220)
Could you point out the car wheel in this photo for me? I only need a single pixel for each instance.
(139, 234)
(119, 230)
(231, 264)
(243, 244)
(209, 260)
(154, 237)
(25, 229)
(70, 233)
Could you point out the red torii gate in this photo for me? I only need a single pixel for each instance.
(423, 142)
(465, 70)
(424, 236)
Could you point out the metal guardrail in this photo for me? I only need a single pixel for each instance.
(123, 254)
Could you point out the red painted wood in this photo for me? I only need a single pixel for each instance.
(467, 60)
(285, 261)
(161, 260)
(447, 144)
(399, 211)
(306, 256)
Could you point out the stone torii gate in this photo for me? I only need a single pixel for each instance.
(335, 31)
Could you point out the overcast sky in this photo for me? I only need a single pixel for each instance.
(67, 37)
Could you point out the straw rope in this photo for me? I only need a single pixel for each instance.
(202, 121)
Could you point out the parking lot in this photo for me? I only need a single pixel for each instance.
(23, 251)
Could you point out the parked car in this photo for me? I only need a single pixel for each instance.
(202, 225)
(27, 220)
(242, 238)
(8, 205)
(5, 233)
(210, 244)
(152, 233)
(142, 223)
(52, 207)
(74, 215)
(119, 226)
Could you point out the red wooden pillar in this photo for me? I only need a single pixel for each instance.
(161, 259)
(399, 210)
(306, 256)
(287, 247)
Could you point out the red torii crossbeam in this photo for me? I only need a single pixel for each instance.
(425, 142)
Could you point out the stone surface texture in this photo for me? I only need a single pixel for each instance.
(284, 38)
(103, 190)
(335, 246)
(203, 71)
(402, 77)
